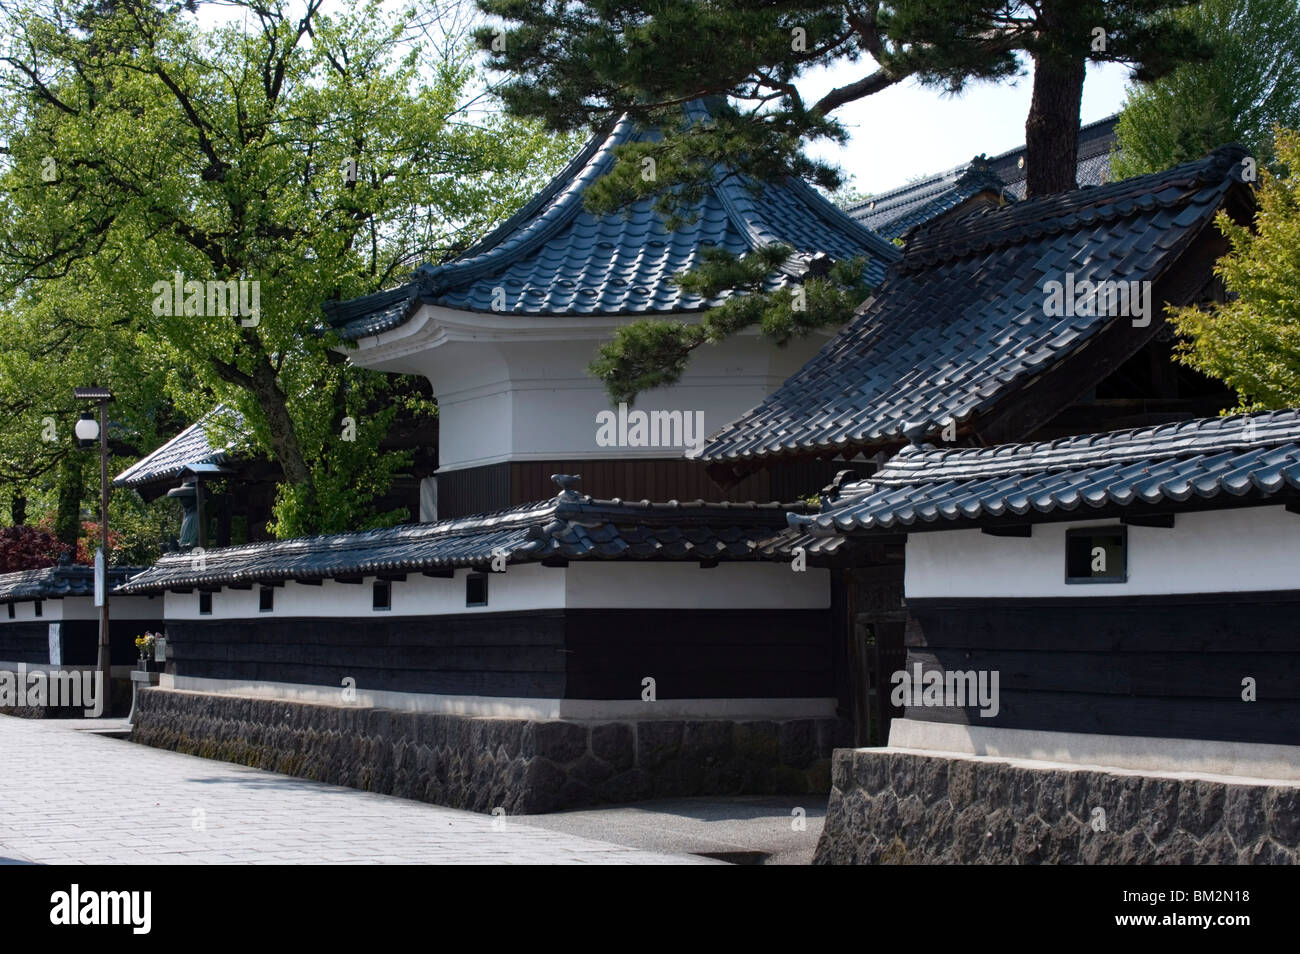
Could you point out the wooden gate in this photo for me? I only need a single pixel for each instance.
(876, 648)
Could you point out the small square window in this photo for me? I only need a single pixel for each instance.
(1096, 555)
(476, 589)
(382, 595)
(266, 599)
(37, 608)
(205, 604)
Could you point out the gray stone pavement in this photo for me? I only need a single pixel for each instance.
(770, 830)
(70, 797)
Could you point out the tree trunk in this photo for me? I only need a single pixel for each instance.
(284, 437)
(67, 522)
(18, 509)
(1052, 129)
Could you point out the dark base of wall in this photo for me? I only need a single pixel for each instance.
(895, 808)
(523, 766)
(119, 706)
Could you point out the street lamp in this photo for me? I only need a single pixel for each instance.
(87, 430)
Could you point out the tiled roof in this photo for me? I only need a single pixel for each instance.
(894, 213)
(190, 447)
(54, 582)
(553, 257)
(1207, 463)
(569, 526)
(961, 325)
(1096, 140)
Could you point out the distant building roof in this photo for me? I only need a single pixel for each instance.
(553, 257)
(1209, 463)
(56, 582)
(960, 329)
(569, 526)
(894, 213)
(192, 447)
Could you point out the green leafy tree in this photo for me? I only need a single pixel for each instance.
(52, 344)
(579, 63)
(1252, 342)
(1249, 85)
(310, 157)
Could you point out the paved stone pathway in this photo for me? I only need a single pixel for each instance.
(70, 797)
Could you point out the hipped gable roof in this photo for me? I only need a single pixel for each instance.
(960, 332)
(1211, 463)
(553, 257)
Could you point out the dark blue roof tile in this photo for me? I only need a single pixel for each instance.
(960, 324)
(553, 257)
(569, 526)
(1212, 462)
(56, 582)
(203, 442)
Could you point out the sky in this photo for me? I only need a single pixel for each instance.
(908, 131)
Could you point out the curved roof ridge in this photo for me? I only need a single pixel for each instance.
(550, 213)
(832, 214)
(148, 467)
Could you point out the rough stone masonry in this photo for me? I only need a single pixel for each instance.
(523, 766)
(907, 808)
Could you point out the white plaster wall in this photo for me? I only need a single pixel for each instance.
(25, 611)
(119, 607)
(513, 388)
(523, 587)
(1254, 548)
(531, 586)
(687, 586)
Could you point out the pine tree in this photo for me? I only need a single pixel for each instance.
(580, 64)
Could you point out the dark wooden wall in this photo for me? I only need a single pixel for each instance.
(691, 654)
(29, 641)
(502, 654)
(496, 486)
(80, 639)
(575, 654)
(25, 642)
(1169, 666)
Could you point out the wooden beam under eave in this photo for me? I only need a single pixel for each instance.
(1010, 530)
(1164, 521)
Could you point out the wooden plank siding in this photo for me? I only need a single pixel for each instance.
(1163, 666)
(25, 642)
(497, 486)
(553, 654)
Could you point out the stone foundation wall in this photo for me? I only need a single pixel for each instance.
(520, 765)
(904, 808)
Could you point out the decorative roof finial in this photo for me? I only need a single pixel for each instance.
(568, 484)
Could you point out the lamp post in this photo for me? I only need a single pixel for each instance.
(87, 430)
